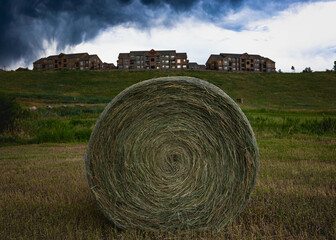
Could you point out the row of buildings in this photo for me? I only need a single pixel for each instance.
(164, 59)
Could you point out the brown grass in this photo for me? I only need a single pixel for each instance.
(44, 195)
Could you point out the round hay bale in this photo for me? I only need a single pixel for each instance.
(172, 153)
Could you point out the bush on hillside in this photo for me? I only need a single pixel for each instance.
(10, 112)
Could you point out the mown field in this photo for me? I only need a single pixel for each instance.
(43, 190)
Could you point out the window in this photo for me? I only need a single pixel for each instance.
(86, 68)
(269, 65)
(77, 59)
(220, 68)
(137, 57)
(138, 67)
(172, 57)
(167, 56)
(132, 62)
(225, 68)
(184, 66)
(162, 61)
(138, 62)
(178, 66)
(126, 60)
(167, 61)
(233, 59)
(81, 68)
(225, 62)
(126, 66)
(234, 64)
(81, 63)
(157, 57)
(220, 62)
(132, 56)
(64, 60)
(234, 69)
(38, 65)
(229, 59)
(178, 61)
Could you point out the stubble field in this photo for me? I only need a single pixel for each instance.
(44, 193)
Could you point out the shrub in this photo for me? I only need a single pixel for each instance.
(10, 112)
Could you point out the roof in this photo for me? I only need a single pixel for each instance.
(231, 55)
(267, 59)
(68, 55)
(239, 55)
(216, 56)
(122, 55)
(181, 55)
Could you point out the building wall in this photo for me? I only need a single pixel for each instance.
(240, 63)
(69, 61)
(152, 60)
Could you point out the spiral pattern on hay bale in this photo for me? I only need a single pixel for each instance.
(172, 153)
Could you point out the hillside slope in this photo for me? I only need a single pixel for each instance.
(290, 91)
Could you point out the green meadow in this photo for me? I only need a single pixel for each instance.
(43, 190)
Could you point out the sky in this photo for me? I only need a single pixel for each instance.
(297, 33)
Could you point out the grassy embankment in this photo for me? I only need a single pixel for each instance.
(44, 193)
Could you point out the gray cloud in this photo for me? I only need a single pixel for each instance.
(24, 25)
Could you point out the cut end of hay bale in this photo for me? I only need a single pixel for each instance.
(172, 153)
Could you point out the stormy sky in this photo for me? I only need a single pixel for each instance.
(299, 33)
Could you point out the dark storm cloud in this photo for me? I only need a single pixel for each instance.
(26, 24)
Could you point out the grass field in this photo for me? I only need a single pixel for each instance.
(43, 190)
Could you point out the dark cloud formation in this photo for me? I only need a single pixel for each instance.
(26, 24)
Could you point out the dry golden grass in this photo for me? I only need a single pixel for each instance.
(44, 195)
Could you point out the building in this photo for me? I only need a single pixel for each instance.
(108, 66)
(196, 66)
(76, 61)
(245, 62)
(166, 59)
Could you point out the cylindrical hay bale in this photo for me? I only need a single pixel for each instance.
(172, 153)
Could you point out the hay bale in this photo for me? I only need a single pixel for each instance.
(172, 153)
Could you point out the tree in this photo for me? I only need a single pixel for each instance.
(293, 68)
(307, 70)
(335, 66)
(279, 71)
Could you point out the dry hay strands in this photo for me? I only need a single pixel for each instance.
(172, 153)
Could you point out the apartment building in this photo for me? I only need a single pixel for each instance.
(163, 59)
(196, 66)
(76, 61)
(245, 62)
